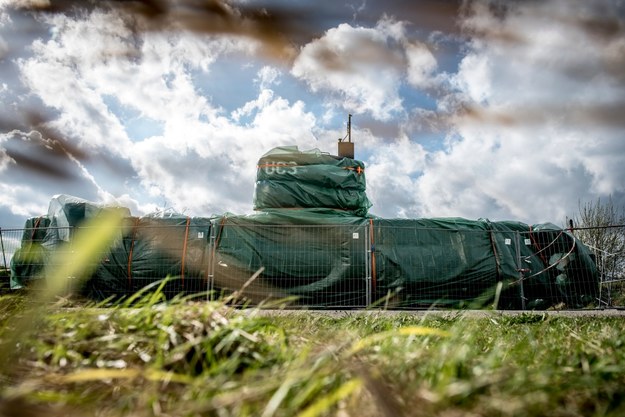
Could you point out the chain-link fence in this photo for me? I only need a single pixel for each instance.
(357, 264)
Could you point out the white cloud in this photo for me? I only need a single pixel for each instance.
(264, 98)
(364, 66)
(536, 147)
(202, 161)
(552, 57)
(475, 78)
(216, 168)
(150, 75)
(5, 159)
(505, 177)
(268, 76)
(23, 200)
(421, 64)
(391, 177)
(55, 74)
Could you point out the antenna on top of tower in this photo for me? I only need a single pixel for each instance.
(346, 149)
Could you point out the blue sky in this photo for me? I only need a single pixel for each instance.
(502, 110)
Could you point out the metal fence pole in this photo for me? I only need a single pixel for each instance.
(602, 283)
(600, 297)
(368, 266)
(608, 285)
(3, 254)
(210, 282)
(69, 280)
(520, 269)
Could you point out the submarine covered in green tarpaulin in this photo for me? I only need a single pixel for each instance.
(313, 242)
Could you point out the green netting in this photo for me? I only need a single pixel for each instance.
(317, 256)
(434, 262)
(289, 178)
(514, 250)
(568, 260)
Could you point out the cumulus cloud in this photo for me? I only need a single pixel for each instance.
(5, 160)
(200, 160)
(536, 141)
(56, 72)
(268, 76)
(365, 67)
(4, 46)
(421, 65)
(18, 199)
(532, 120)
(207, 181)
(553, 58)
(392, 173)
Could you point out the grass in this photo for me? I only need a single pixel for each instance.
(617, 293)
(187, 358)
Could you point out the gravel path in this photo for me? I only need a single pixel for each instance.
(443, 313)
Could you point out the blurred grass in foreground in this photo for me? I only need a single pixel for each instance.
(188, 358)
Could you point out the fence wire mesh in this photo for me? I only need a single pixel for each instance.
(321, 266)
(360, 265)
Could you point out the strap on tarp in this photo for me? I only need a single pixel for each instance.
(36, 226)
(493, 244)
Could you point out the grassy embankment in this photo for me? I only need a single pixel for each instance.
(186, 358)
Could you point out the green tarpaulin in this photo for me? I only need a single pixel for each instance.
(460, 262)
(29, 260)
(326, 257)
(289, 178)
(153, 248)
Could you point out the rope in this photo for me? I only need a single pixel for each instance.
(539, 253)
(550, 266)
